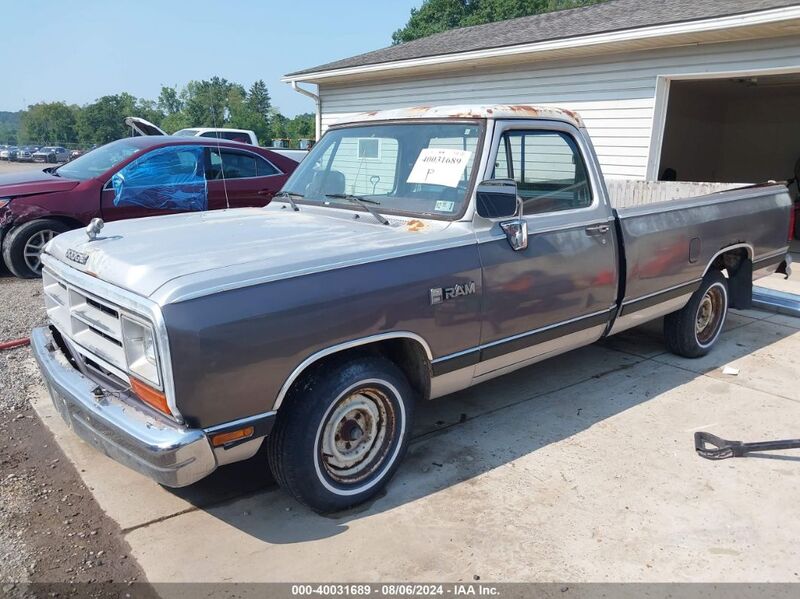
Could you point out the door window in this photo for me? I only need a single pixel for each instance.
(169, 178)
(230, 164)
(549, 170)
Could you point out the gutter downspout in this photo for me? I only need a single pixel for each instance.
(318, 104)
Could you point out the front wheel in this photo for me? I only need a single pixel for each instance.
(342, 433)
(692, 331)
(22, 247)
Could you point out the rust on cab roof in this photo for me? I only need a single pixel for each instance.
(470, 111)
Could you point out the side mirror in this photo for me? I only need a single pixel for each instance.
(497, 198)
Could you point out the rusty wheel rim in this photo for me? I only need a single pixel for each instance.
(357, 435)
(710, 314)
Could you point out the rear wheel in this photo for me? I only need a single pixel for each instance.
(342, 433)
(23, 246)
(692, 331)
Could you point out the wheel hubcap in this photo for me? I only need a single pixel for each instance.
(709, 315)
(32, 252)
(357, 435)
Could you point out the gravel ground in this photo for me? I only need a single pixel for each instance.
(51, 528)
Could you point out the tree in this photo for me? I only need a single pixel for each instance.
(49, 122)
(169, 100)
(303, 126)
(279, 126)
(9, 126)
(435, 16)
(258, 99)
(103, 120)
(214, 102)
(207, 102)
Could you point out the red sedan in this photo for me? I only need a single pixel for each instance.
(131, 178)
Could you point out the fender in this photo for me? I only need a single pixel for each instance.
(342, 347)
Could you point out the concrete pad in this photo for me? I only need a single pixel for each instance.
(786, 320)
(779, 282)
(751, 313)
(126, 496)
(547, 376)
(647, 340)
(596, 482)
(766, 354)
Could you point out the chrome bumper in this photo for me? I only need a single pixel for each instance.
(119, 426)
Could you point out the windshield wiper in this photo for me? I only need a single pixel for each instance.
(363, 202)
(287, 195)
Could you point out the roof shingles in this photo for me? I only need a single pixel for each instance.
(614, 15)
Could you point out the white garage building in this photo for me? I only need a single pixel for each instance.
(707, 88)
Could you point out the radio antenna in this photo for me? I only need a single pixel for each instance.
(221, 161)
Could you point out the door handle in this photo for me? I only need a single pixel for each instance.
(597, 229)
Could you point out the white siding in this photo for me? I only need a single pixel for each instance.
(369, 175)
(614, 94)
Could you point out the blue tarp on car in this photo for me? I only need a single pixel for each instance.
(170, 178)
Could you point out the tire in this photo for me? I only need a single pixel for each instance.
(692, 331)
(320, 413)
(22, 240)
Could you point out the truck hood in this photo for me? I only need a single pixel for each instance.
(177, 257)
(33, 182)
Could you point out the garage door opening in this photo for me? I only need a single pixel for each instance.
(738, 130)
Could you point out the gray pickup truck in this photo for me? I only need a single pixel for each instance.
(414, 253)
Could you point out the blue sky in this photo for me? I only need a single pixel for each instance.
(78, 51)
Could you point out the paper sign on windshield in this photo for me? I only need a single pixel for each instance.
(439, 166)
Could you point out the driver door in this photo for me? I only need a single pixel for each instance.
(557, 293)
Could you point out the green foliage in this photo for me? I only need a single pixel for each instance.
(9, 126)
(303, 126)
(435, 16)
(215, 102)
(102, 121)
(169, 100)
(48, 122)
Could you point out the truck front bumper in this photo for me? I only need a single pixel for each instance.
(119, 426)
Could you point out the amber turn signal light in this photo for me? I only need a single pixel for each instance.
(150, 396)
(225, 438)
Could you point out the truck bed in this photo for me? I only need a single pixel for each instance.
(668, 245)
(627, 193)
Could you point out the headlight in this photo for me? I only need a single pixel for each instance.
(139, 343)
(4, 202)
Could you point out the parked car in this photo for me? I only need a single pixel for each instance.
(131, 178)
(143, 127)
(25, 154)
(438, 259)
(51, 154)
(9, 153)
(76, 154)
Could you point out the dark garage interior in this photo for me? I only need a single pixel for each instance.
(743, 130)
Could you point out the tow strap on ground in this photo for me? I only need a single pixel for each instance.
(712, 447)
(14, 343)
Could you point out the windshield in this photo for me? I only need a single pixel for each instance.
(186, 132)
(98, 161)
(419, 168)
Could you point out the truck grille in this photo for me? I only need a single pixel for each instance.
(90, 324)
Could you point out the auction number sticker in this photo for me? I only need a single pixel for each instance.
(439, 166)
